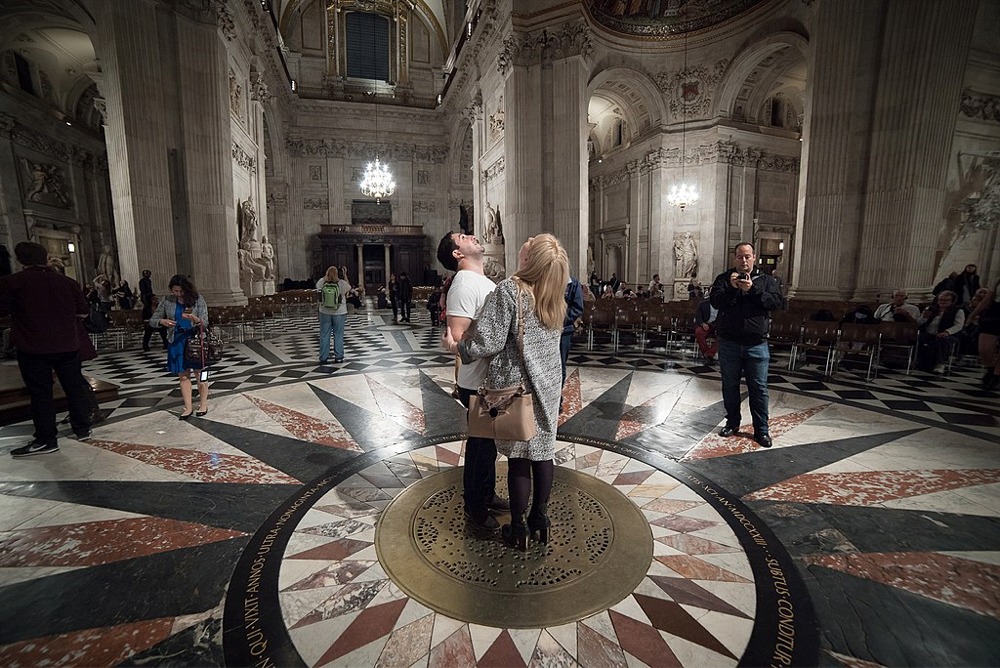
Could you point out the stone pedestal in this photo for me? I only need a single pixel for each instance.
(257, 288)
(680, 290)
(269, 286)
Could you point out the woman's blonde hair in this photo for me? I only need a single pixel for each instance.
(331, 275)
(545, 274)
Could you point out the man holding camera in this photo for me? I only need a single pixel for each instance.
(897, 310)
(744, 297)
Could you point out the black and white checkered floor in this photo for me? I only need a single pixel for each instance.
(374, 342)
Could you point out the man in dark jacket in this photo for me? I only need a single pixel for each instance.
(405, 295)
(744, 297)
(574, 309)
(44, 306)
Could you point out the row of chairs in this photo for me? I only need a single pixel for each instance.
(674, 322)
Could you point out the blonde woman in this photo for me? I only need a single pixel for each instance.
(536, 292)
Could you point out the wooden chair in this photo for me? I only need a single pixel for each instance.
(902, 337)
(819, 336)
(785, 330)
(855, 340)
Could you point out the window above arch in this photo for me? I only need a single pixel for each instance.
(368, 38)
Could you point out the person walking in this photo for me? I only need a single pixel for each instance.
(44, 307)
(183, 313)
(531, 301)
(393, 290)
(744, 296)
(574, 309)
(333, 291)
(463, 254)
(987, 316)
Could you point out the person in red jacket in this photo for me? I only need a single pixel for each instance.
(44, 307)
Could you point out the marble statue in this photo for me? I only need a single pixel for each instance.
(491, 224)
(494, 269)
(250, 269)
(106, 265)
(249, 222)
(267, 257)
(685, 256)
(591, 265)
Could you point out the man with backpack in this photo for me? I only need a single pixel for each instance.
(332, 314)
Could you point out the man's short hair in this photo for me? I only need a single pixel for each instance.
(31, 254)
(146, 273)
(736, 248)
(446, 252)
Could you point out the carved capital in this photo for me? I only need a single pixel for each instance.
(980, 106)
(102, 108)
(544, 46)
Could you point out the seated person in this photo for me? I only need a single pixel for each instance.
(897, 310)
(939, 324)
(859, 315)
(704, 328)
(383, 299)
(588, 295)
(354, 297)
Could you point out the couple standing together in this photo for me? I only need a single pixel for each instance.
(483, 329)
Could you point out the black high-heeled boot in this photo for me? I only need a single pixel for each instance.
(515, 534)
(538, 522)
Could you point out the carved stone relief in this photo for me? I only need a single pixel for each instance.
(244, 159)
(496, 123)
(315, 173)
(339, 148)
(544, 46)
(685, 255)
(43, 183)
(423, 177)
(980, 106)
(315, 203)
(235, 95)
(691, 91)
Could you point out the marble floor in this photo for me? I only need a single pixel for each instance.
(868, 535)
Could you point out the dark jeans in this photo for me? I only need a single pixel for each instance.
(737, 360)
(565, 343)
(395, 309)
(404, 309)
(480, 475)
(36, 371)
(932, 351)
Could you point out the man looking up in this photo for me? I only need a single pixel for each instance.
(462, 253)
(744, 297)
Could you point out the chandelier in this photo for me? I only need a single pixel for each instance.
(682, 194)
(378, 181)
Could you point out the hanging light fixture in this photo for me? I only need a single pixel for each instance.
(378, 181)
(682, 194)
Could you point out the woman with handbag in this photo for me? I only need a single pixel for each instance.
(519, 328)
(184, 314)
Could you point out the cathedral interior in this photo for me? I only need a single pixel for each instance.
(313, 516)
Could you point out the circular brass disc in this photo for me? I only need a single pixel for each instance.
(599, 549)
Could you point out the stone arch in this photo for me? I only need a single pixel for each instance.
(774, 53)
(634, 95)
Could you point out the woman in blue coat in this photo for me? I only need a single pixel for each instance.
(183, 312)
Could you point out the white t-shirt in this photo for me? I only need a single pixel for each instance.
(345, 287)
(466, 296)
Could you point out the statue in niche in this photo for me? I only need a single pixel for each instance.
(267, 257)
(46, 184)
(685, 256)
(235, 92)
(494, 228)
(247, 222)
(464, 223)
(106, 265)
(591, 265)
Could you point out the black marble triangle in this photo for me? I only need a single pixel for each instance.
(442, 413)
(599, 419)
(369, 429)
(236, 506)
(747, 472)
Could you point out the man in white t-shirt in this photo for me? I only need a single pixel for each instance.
(897, 310)
(462, 253)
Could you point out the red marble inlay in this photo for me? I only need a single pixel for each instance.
(341, 572)
(683, 524)
(397, 408)
(202, 466)
(306, 427)
(634, 478)
(589, 461)
(669, 616)
(572, 398)
(717, 446)
(455, 652)
(696, 569)
(864, 488)
(445, 455)
(642, 641)
(689, 544)
(105, 646)
(334, 551)
(92, 543)
(502, 654)
(595, 651)
(964, 583)
(372, 623)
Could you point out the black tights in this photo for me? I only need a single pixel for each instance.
(522, 476)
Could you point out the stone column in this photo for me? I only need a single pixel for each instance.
(635, 203)
(208, 165)
(387, 248)
(570, 197)
(360, 282)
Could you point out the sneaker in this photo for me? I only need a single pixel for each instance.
(34, 448)
(938, 369)
(83, 438)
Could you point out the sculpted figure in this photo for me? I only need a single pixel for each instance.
(249, 222)
(250, 268)
(267, 257)
(685, 256)
(106, 264)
